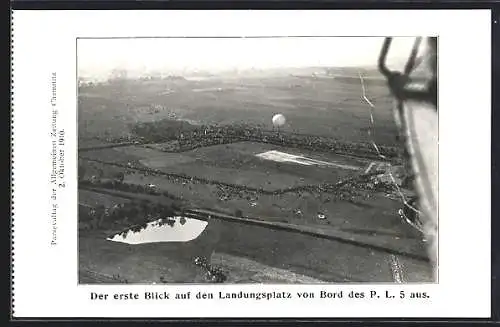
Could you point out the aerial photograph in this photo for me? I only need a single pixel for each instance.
(248, 160)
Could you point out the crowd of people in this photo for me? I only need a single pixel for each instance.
(214, 274)
(349, 188)
(188, 136)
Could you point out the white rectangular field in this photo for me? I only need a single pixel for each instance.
(278, 156)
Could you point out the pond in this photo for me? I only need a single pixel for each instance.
(172, 229)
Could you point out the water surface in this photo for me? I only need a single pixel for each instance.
(172, 229)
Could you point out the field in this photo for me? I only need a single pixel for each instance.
(92, 199)
(322, 190)
(320, 105)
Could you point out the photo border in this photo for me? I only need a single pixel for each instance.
(275, 321)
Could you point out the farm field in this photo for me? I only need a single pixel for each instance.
(246, 254)
(92, 199)
(239, 163)
(327, 106)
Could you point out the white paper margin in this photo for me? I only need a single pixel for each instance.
(46, 277)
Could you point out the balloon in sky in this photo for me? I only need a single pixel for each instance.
(279, 120)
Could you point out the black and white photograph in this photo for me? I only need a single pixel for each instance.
(280, 160)
(245, 164)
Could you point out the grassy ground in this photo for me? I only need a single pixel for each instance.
(233, 163)
(144, 263)
(92, 199)
(325, 260)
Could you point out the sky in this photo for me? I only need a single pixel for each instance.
(171, 55)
